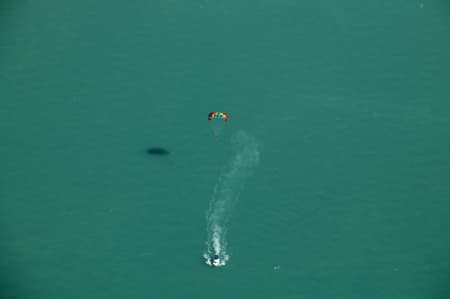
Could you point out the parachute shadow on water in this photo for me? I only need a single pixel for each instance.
(157, 151)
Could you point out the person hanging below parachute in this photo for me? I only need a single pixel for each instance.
(217, 121)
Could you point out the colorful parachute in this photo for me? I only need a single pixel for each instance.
(217, 121)
(218, 115)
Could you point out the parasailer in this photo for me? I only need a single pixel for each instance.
(217, 121)
(218, 115)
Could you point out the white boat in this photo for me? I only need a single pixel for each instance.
(214, 261)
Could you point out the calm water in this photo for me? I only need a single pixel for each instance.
(347, 103)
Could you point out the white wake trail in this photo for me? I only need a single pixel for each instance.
(226, 193)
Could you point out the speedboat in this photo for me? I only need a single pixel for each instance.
(215, 261)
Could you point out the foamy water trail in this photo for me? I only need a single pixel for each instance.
(226, 193)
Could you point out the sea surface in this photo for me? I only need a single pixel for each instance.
(329, 180)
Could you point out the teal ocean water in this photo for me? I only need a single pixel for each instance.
(330, 179)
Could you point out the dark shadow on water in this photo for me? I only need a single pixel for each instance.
(8, 286)
(10, 7)
(12, 282)
(5, 4)
(158, 151)
(442, 287)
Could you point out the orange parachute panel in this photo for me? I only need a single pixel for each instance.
(218, 115)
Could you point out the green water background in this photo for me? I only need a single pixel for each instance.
(349, 102)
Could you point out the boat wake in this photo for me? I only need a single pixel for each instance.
(226, 193)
